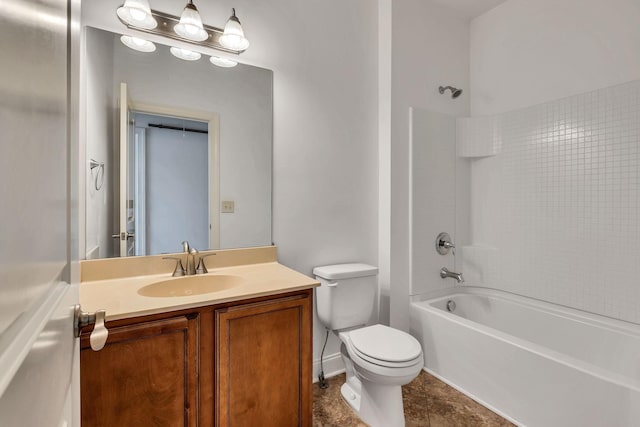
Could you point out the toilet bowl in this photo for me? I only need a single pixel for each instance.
(378, 361)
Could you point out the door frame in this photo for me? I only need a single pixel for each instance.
(140, 183)
(213, 137)
(126, 126)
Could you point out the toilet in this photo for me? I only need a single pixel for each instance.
(378, 359)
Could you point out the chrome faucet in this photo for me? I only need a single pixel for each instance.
(190, 266)
(445, 273)
(191, 262)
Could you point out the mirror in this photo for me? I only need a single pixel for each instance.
(175, 150)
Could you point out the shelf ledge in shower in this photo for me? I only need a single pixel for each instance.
(478, 136)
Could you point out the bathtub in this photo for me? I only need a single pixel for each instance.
(534, 363)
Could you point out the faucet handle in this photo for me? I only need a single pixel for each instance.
(202, 268)
(444, 244)
(179, 270)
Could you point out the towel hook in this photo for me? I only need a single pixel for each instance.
(99, 175)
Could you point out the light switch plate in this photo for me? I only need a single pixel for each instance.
(227, 206)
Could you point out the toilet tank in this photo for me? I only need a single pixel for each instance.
(347, 294)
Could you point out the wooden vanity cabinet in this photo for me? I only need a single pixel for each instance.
(147, 374)
(263, 369)
(244, 363)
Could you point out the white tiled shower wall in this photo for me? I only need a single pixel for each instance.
(555, 215)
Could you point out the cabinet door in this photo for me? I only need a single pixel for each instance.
(263, 363)
(146, 375)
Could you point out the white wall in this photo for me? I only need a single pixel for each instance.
(430, 47)
(557, 207)
(385, 44)
(527, 52)
(99, 122)
(325, 134)
(325, 149)
(433, 202)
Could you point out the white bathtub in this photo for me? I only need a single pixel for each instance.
(535, 363)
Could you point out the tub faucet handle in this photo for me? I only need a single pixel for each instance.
(444, 244)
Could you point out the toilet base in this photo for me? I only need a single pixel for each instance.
(389, 414)
(350, 396)
(381, 405)
(376, 404)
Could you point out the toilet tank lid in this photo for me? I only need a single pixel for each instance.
(345, 271)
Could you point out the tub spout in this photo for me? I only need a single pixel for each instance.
(445, 273)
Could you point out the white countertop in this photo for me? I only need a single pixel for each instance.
(120, 299)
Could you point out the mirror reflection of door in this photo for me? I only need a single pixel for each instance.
(169, 179)
(169, 183)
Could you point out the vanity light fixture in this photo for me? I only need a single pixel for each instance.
(185, 54)
(190, 25)
(233, 37)
(222, 62)
(137, 13)
(188, 28)
(138, 44)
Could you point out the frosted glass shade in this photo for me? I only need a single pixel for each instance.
(190, 25)
(137, 13)
(233, 36)
(222, 62)
(185, 54)
(138, 44)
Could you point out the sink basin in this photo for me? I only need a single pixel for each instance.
(190, 285)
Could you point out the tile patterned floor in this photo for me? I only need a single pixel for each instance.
(428, 402)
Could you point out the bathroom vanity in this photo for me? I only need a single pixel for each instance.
(237, 356)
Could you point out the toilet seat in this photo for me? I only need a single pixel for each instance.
(385, 346)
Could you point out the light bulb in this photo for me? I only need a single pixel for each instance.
(191, 29)
(138, 14)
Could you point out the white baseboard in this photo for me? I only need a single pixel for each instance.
(333, 365)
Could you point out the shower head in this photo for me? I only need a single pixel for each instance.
(455, 92)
